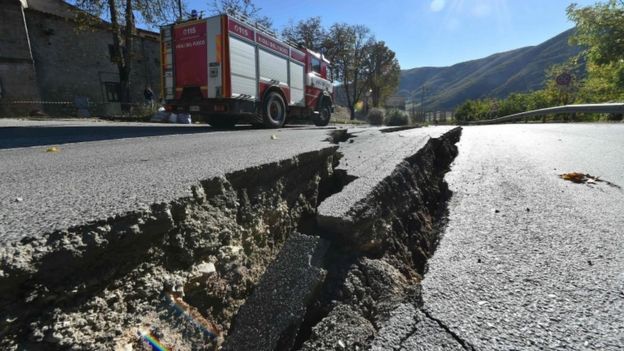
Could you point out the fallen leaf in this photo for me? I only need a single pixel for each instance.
(574, 177)
(585, 178)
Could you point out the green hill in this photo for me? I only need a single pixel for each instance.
(497, 75)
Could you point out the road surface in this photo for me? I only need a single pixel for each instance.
(528, 261)
(85, 181)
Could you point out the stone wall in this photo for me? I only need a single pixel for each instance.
(74, 62)
(17, 73)
(44, 55)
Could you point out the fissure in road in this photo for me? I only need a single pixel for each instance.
(242, 264)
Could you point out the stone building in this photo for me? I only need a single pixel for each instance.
(46, 60)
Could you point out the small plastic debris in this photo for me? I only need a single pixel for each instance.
(341, 344)
(53, 149)
(18, 199)
(273, 137)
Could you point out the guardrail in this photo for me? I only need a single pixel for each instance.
(582, 108)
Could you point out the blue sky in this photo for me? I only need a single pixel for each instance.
(433, 32)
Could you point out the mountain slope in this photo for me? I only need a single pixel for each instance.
(497, 75)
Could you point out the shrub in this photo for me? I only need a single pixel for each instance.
(376, 116)
(397, 117)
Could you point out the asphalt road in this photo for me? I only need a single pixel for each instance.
(16, 133)
(528, 261)
(84, 181)
(370, 168)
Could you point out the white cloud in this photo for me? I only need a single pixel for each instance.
(437, 5)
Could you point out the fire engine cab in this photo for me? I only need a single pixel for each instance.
(229, 71)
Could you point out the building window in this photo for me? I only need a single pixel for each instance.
(112, 91)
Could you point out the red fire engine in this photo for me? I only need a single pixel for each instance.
(229, 71)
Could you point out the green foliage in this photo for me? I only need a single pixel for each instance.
(376, 116)
(309, 32)
(346, 47)
(244, 8)
(383, 71)
(558, 95)
(600, 30)
(396, 117)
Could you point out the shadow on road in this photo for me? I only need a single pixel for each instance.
(13, 137)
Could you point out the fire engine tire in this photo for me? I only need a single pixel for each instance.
(274, 111)
(322, 118)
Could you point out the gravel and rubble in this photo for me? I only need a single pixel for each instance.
(93, 285)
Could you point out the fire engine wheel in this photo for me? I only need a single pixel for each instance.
(322, 118)
(274, 111)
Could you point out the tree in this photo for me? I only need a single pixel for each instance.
(243, 8)
(346, 49)
(383, 71)
(122, 16)
(309, 33)
(466, 112)
(600, 30)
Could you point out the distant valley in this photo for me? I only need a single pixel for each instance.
(497, 75)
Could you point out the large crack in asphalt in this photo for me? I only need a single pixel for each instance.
(157, 271)
(243, 264)
(379, 258)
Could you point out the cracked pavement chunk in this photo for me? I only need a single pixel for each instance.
(179, 268)
(103, 282)
(342, 329)
(270, 317)
(370, 159)
(403, 212)
(96, 180)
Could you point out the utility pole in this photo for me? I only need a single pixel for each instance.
(180, 9)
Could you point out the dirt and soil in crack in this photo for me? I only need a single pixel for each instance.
(404, 216)
(179, 272)
(156, 271)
